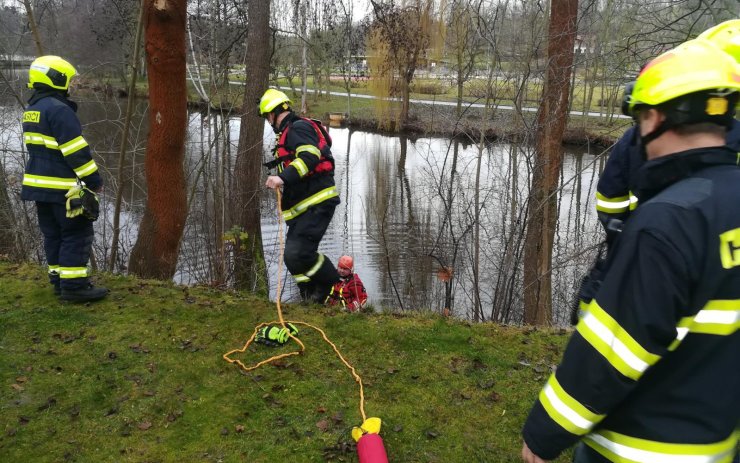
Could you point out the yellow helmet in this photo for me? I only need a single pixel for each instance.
(272, 99)
(694, 66)
(726, 36)
(51, 71)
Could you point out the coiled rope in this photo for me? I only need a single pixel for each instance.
(282, 322)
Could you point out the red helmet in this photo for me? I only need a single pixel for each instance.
(346, 262)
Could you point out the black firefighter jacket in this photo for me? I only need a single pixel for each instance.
(305, 187)
(652, 372)
(58, 153)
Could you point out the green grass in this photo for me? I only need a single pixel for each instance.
(139, 377)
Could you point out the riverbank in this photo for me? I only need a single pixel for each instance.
(427, 118)
(140, 376)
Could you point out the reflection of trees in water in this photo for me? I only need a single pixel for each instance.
(398, 220)
(422, 217)
(407, 207)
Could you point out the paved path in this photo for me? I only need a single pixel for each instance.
(433, 103)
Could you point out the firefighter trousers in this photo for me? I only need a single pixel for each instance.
(312, 271)
(67, 243)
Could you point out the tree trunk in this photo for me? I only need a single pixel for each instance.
(250, 269)
(157, 246)
(10, 246)
(542, 205)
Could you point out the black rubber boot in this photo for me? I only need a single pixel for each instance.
(320, 293)
(57, 290)
(87, 294)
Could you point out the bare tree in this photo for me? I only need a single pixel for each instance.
(156, 250)
(542, 203)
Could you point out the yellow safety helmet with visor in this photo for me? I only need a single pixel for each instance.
(51, 71)
(726, 36)
(694, 66)
(271, 99)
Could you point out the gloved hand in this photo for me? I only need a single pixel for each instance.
(82, 201)
(275, 335)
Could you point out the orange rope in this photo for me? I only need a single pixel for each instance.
(282, 322)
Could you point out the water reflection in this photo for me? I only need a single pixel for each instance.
(408, 214)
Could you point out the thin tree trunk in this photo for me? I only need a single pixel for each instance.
(542, 205)
(155, 253)
(120, 183)
(34, 27)
(304, 59)
(250, 269)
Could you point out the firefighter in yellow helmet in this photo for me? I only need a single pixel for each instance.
(615, 192)
(305, 171)
(651, 373)
(62, 178)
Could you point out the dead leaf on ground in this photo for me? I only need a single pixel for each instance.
(145, 425)
(21, 379)
(432, 434)
(323, 425)
(239, 428)
(17, 387)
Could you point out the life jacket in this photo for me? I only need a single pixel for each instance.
(284, 157)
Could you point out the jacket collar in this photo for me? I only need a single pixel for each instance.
(41, 93)
(288, 119)
(658, 174)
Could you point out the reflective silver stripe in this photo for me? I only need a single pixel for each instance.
(612, 341)
(32, 138)
(719, 317)
(612, 205)
(301, 207)
(565, 410)
(49, 182)
(73, 146)
(632, 449)
(72, 272)
(86, 169)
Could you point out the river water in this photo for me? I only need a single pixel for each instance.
(399, 218)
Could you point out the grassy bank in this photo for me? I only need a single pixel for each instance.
(139, 377)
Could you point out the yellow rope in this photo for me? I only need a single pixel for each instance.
(282, 322)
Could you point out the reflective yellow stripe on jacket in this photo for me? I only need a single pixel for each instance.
(615, 205)
(612, 341)
(718, 317)
(312, 200)
(86, 169)
(33, 138)
(73, 146)
(566, 411)
(625, 449)
(57, 183)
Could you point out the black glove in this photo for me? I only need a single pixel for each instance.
(275, 335)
